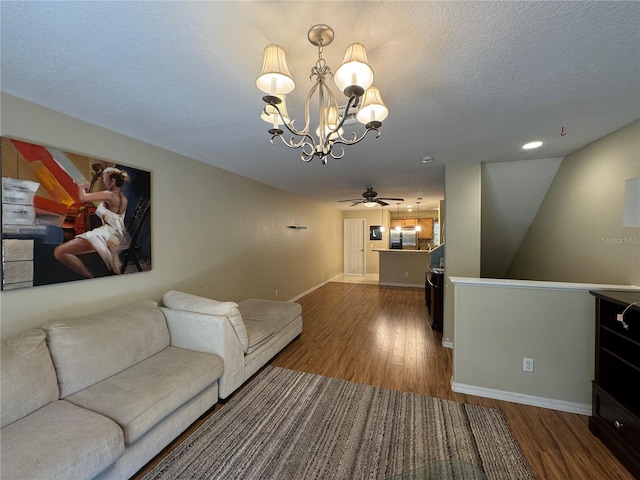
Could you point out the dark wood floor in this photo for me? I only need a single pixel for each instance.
(380, 336)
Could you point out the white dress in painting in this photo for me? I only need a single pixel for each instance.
(109, 239)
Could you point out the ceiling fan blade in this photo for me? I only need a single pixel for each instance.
(384, 204)
(351, 200)
(392, 199)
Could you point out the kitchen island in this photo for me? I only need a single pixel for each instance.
(403, 268)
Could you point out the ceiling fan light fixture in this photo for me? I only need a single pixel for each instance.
(370, 204)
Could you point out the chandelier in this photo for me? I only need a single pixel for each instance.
(354, 78)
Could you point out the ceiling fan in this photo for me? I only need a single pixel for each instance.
(370, 199)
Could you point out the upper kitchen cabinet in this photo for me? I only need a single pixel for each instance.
(409, 222)
(403, 222)
(426, 228)
(426, 225)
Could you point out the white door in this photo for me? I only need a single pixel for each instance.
(354, 246)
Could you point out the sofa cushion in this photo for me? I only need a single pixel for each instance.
(263, 318)
(88, 349)
(27, 377)
(196, 304)
(144, 394)
(59, 441)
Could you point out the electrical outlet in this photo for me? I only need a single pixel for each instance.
(406, 274)
(527, 365)
(276, 293)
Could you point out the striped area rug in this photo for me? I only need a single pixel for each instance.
(290, 425)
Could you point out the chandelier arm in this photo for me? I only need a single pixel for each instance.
(306, 155)
(335, 155)
(291, 142)
(305, 138)
(307, 103)
(331, 101)
(289, 125)
(351, 103)
(355, 140)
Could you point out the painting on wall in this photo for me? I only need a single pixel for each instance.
(70, 217)
(375, 232)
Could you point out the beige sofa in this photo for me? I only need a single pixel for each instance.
(245, 334)
(100, 396)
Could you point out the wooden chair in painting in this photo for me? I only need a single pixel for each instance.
(134, 226)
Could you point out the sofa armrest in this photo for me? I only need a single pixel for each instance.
(209, 334)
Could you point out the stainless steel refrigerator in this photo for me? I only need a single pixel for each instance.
(405, 239)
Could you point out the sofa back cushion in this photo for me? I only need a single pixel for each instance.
(193, 303)
(86, 350)
(27, 377)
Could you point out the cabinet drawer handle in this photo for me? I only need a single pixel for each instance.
(618, 424)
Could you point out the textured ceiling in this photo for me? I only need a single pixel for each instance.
(464, 81)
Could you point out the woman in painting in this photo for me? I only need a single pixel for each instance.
(110, 238)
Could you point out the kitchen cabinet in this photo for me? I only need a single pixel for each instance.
(425, 223)
(426, 228)
(403, 222)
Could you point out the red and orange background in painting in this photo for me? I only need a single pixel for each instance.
(41, 209)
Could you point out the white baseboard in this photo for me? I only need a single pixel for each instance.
(411, 285)
(551, 403)
(297, 297)
(391, 284)
(447, 343)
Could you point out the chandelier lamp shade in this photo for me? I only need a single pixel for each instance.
(354, 78)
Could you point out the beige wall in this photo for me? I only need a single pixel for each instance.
(372, 216)
(501, 322)
(214, 233)
(462, 246)
(577, 234)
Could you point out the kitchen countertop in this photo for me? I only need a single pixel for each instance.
(397, 250)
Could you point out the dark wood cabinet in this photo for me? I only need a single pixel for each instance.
(434, 296)
(616, 399)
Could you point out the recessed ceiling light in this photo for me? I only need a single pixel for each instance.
(427, 159)
(532, 145)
